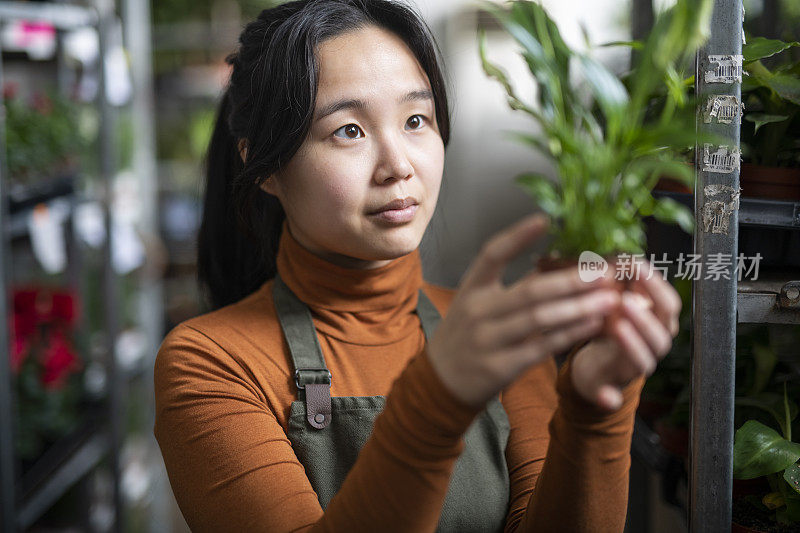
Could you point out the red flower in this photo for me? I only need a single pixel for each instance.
(59, 361)
(10, 90)
(42, 103)
(44, 305)
(19, 352)
(24, 325)
(25, 301)
(63, 307)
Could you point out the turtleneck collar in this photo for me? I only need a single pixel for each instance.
(362, 306)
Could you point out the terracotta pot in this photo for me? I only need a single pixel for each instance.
(756, 181)
(666, 183)
(670, 185)
(779, 183)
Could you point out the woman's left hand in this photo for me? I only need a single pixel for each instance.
(636, 339)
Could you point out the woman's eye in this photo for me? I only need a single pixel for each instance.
(350, 131)
(416, 121)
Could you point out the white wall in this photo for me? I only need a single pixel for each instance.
(478, 196)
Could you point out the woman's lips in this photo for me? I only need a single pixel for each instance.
(397, 216)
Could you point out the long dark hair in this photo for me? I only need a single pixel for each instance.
(270, 101)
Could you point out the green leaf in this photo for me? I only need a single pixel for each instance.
(758, 450)
(532, 17)
(760, 47)
(497, 73)
(787, 86)
(670, 211)
(790, 514)
(536, 141)
(765, 360)
(771, 403)
(543, 191)
(760, 119)
(636, 45)
(792, 476)
(606, 88)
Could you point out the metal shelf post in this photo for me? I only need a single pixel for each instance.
(718, 73)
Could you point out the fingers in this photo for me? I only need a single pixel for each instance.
(501, 249)
(554, 341)
(658, 339)
(513, 328)
(541, 287)
(609, 397)
(667, 302)
(636, 351)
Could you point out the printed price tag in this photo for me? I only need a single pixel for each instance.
(724, 108)
(724, 69)
(716, 212)
(721, 160)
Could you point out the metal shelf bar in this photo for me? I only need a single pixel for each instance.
(752, 211)
(7, 459)
(714, 301)
(83, 460)
(62, 16)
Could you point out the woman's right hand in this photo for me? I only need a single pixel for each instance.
(493, 333)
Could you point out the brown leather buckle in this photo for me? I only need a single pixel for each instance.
(318, 404)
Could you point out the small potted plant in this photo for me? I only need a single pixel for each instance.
(43, 144)
(771, 126)
(762, 454)
(608, 150)
(45, 366)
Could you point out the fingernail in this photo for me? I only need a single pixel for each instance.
(629, 301)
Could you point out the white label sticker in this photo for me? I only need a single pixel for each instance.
(716, 213)
(724, 108)
(722, 160)
(46, 229)
(724, 69)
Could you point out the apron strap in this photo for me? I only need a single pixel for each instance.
(311, 375)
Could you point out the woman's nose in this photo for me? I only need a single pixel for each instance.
(393, 159)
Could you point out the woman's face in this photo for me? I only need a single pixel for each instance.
(373, 139)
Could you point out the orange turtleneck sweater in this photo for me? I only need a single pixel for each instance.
(224, 385)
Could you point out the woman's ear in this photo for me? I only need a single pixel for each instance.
(243, 149)
(269, 186)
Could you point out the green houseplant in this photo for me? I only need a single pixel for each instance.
(761, 452)
(609, 150)
(771, 126)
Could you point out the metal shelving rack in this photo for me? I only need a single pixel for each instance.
(718, 305)
(20, 508)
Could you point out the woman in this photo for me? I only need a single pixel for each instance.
(331, 388)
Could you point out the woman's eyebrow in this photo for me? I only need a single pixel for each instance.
(360, 105)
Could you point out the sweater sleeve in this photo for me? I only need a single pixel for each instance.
(568, 459)
(232, 467)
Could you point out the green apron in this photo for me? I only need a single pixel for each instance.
(328, 433)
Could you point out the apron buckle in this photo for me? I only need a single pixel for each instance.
(297, 376)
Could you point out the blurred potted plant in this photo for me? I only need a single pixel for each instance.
(760, 452)
(43, 144)
(607, 151)
(771, 127)
(45, 367)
